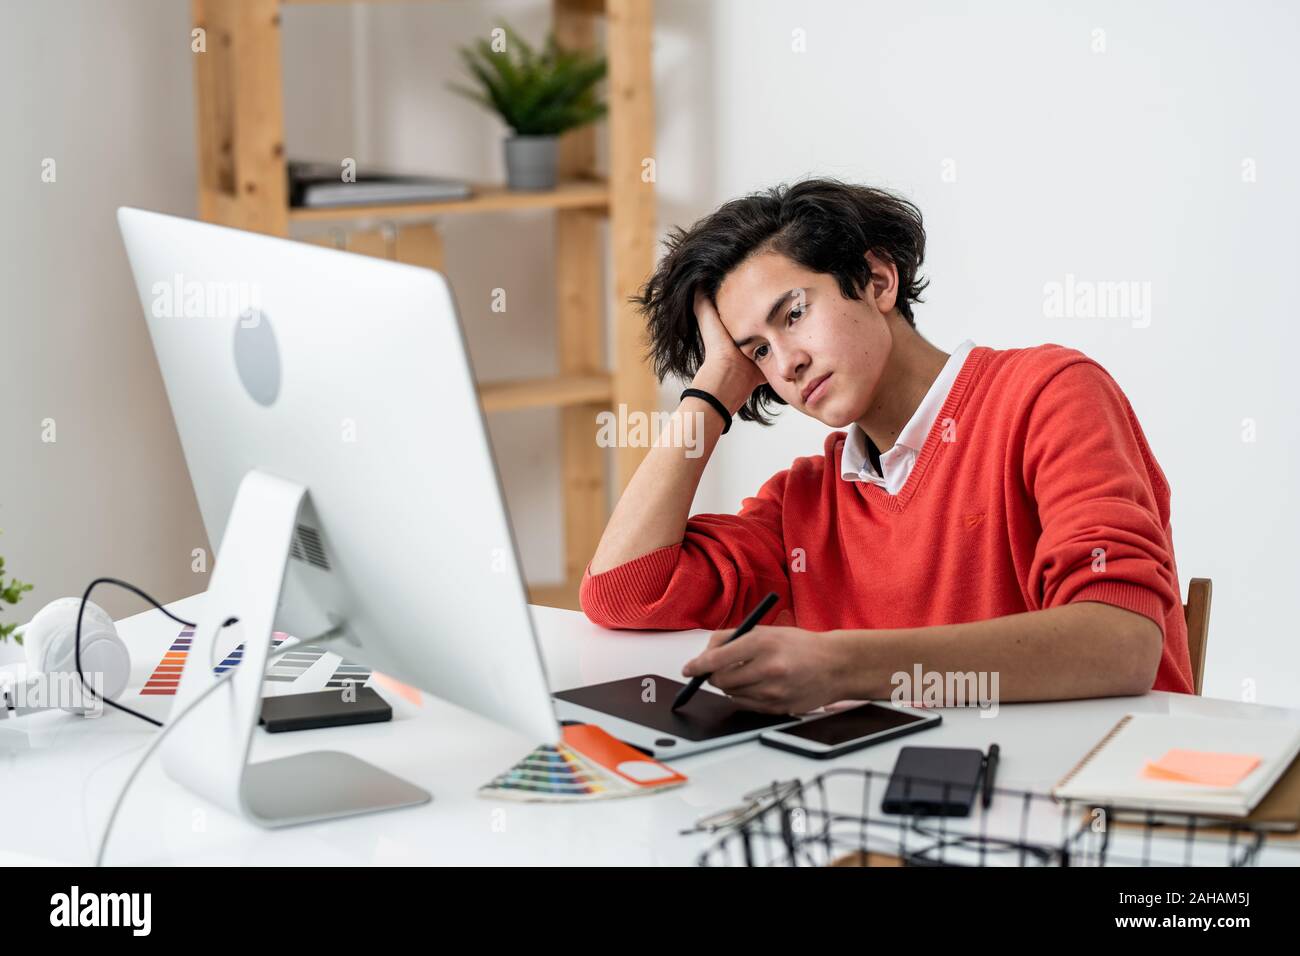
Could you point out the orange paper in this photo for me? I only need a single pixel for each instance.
(397, 687)
(1198, 766)
(617, 757)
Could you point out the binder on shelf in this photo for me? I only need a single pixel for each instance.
(321, 186)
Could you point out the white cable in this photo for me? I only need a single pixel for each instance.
(333, 635)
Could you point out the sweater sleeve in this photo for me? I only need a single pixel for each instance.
(1103, 503)
(724, 565)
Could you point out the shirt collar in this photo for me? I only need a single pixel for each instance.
(854, 457)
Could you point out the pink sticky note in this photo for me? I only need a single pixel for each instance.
(1199, 766)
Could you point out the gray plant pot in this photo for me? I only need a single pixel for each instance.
(531, 161)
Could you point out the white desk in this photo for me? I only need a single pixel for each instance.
(60, 773)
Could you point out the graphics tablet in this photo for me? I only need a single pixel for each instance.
(638, 710)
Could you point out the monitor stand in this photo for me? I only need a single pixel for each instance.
(207, 751)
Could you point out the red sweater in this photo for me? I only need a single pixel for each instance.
(1035, 488)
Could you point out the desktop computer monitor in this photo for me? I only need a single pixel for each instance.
(330, 420)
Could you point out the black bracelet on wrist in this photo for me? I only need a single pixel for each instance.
(722, 409)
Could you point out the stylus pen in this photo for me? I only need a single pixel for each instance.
(756, 615)
(990, 770)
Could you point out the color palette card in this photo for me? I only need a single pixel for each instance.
(294, 664)
(588, 765)
(166, 677)
(301, 670)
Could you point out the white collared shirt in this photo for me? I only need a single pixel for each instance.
(855, 465)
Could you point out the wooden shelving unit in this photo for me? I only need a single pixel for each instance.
(242, 183)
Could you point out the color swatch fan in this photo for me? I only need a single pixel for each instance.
(588, 765)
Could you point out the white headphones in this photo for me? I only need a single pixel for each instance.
(49, 639)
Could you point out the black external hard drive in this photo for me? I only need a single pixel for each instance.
(934, 781)
(323, 708)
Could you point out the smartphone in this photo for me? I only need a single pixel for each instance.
(834, 735)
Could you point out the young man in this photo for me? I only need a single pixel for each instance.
(988, 511)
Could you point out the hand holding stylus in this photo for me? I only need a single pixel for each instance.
(756, 615)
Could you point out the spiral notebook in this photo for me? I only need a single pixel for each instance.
(1112, 773)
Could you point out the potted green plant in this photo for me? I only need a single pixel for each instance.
(11, 592)
(539, 95)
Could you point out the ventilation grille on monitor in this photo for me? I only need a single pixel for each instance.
(307, 547)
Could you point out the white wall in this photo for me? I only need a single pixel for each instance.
(1119, 165)
(103, 90)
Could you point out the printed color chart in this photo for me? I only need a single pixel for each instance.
(167, 675)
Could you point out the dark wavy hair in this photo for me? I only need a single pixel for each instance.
(825, 225)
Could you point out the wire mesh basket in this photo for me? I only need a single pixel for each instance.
(837, 819)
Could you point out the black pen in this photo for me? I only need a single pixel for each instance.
(756, 615)
(990, 769)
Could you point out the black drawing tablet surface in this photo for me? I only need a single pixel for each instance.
(705, 716)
